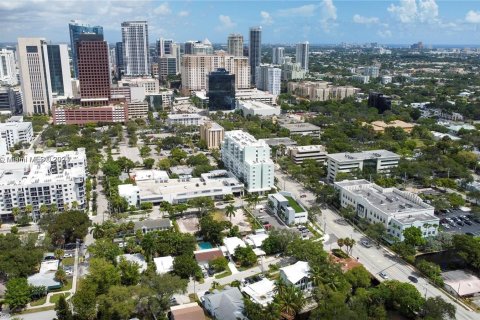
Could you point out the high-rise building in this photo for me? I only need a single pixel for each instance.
(119, 58)
(176, 53)
(249, 160)
(8, 101)
(8, 72)
(277, 55)
(76, 29)
(292, 71)
(164, 47)
(269, 78)
(221, 90)
(16, 132)
(59, 65)
(195, 70)
(212, 133)
(372, 71)
(135, 48)
(301, 55)
(198, 47)
(167, 65)
(235, 45)
(255, 51)
(93, 69)
(34, 75)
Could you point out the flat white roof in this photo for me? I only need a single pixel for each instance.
(256, 105)
(261, 292)
(364, 155)
(462, 282)
(153, 174)
(177, 116)
(163, 264)
(137, 258)
(232, 243)
(257, 239)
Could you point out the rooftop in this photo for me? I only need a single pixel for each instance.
(227, 304)
(261, 292)
(177, 116)
(153, 224)
(163, 264)
(244, 138)
(256, 105)
(300, 127)
(294, 204)
(364, 155)
(279, 141)
(137, 258)
(318, 148)
(207, 254)
(232, 243)
(189, 311)
(462, 282)
(297, 271)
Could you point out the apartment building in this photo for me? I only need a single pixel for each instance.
(298, 154)
(374, 160)
(43, 179)
(136, 56)
(195, 70)
(150, 85)
(16, 132)
(212, 133)
(184, 119)
(320, 90)
(268, 78)
(137, 109)
(249, 160)
(397, 210)
(8, 69)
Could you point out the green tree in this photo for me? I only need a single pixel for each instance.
(358, 277)
(84, 300)
(230, 211)
(376, 232)
(245, 256)
(278, 240)
(148, 163)
(68, 226)
(219, 264)
(203, 204)
(431, 270)
(185, 267)
(17, 293)
(103, 274)
(63, 309)
(105, 249)
(212, 230)
(118, 303)
(437, 308)
(61, 276)
(129, 272)
(164, 164)
(290, 300)
(413, 236)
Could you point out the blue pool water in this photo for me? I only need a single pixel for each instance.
(205, 245)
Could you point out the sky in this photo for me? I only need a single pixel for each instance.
(319, 22)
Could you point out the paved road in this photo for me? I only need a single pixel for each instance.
(375, 260)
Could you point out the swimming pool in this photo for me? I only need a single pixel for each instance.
(205, 245)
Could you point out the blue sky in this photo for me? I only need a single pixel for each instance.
(320, 22)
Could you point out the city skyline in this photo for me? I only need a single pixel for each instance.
(319, 22)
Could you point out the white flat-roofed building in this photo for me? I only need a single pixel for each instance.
(233, 243)
(215, 184)
(130, 193)
(249, 160)
(257, 108)
(151, 85)
(268, 78)
(163, 264)
(156, 175)
(255, 95)
(185, 119)
(287, 208)
(261, 292)
(212, 133)
(377, 160)
(298, 154)
(137, 258)
(397, 210)
(16, 132)
(42, 179)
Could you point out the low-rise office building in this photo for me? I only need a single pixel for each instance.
(380, 126)
(83, 115)
(42, 179)
(137, 110)
(255, 95)
(184, 119)
(298, 154)
(215, 184)
(374, 160)
(397, 210)
(302, 128)
(212, 133)
(257, 108)
(284, 205)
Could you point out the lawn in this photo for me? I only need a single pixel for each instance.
(224, 274)
(37, 310)
(39, 302)
(294, 204)
(66, 287)
(54, 298)
(218, 215)
(68, 261)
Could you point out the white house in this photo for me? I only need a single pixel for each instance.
(261, 292)
(297, 275)
(163, 264)
(232, 243)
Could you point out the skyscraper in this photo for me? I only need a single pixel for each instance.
(277, 55)
(268, 78)
(76, 29)
(255, 50)
(93, 70)
(119, 58)
(302, 55)
(135, 48)
(235, 44)
(164, 47)
(34, 75)
(59, 65)
(221, 90)
(8, 73)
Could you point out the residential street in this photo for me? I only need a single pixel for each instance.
(375, 260)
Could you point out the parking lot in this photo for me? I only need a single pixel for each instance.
(460, 222)
(263, 215)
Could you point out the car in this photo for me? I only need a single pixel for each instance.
(446, 226)
(468, 222)
(413, 279)
(303, 196)
(384, 275)
(68, 255)
(262, 209)
(366, 243)
(470, 234)
(460, 223)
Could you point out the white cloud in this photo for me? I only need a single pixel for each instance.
(472, 17)
(226, 21)
(328, 15)
(365, 20)
(266, 18)
(303, 11)
(384, 33)
(411, 11)
(163, 9)
(183, 14)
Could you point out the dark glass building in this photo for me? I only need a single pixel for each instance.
(119, 58)
(255, 51)
(379, 101)
(221, 90)
(76, 29)
(55, 65)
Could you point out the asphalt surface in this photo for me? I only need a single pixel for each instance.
(374, 259)
(458, 229)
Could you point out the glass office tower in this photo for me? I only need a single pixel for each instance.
(221, 90)
(76, 29)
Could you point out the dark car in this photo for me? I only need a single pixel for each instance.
(470, 234)
(468, 222)
(413, 279)
(460, 223)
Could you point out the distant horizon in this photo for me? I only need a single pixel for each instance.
(451, 23)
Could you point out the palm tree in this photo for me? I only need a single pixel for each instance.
(230, 211)
(215, 284)
(97, 231)
(349, 243)
(341, 243)
(59, 254)
(15, 212)
(290, 301)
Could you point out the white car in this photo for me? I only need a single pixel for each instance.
(383, 275)
(68, 255)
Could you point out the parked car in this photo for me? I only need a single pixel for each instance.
(468, 222)
(446, 226)
(413, 279)
(366, 243)
(303, 196)
(68, 255)
(460, 223)
(384, 275)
